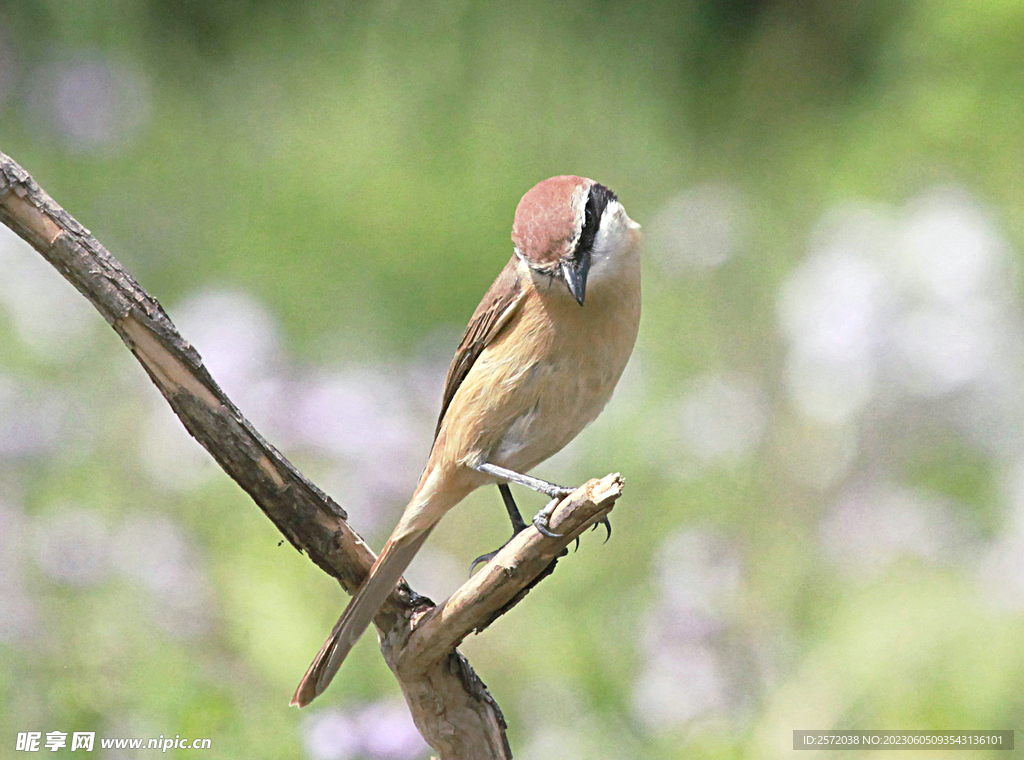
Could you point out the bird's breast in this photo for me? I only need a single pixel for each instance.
(578, 354)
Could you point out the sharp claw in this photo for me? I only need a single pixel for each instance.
(540, 520)
(607, 526)
(491, 555)
(482, 558)
(540, 523)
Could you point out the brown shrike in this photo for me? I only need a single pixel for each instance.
(538, 363)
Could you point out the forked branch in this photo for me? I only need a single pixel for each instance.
(449, 703)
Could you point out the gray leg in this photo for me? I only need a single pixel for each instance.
(552, 491)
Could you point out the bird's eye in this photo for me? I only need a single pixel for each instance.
(588, 216)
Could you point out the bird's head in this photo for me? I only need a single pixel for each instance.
(573, 229)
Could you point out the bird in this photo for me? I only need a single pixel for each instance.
(538, 362)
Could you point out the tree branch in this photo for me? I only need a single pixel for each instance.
(506, 579)
(450, 705)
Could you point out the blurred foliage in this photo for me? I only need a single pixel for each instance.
(353, 168)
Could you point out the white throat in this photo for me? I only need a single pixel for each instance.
(616, 247)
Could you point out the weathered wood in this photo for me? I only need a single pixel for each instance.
(506, 578)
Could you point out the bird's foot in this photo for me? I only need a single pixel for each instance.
(556, 492)
(541, 520)
(517, 528)
(541, 523)
(485, 558)
(607, 526)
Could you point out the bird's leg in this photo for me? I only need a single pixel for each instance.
(555, 492)
(534, 484)
(518, 525)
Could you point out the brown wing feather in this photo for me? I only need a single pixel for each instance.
(498, 305)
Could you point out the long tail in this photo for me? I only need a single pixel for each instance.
(392, 562)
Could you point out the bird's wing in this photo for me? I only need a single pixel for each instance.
(499, 303)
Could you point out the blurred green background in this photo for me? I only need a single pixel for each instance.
(820, 428)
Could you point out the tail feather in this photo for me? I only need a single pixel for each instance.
(383, 576)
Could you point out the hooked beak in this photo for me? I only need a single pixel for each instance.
(574, 272)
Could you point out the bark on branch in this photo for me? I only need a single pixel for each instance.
(450, 704)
